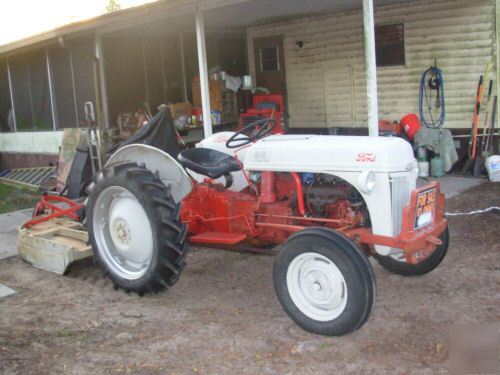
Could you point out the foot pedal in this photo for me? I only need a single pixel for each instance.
(217, 238)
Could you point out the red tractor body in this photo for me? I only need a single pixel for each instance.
(267, 213)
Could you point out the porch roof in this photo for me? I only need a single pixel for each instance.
(219, 14)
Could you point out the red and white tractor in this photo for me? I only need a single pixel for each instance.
(329, 202)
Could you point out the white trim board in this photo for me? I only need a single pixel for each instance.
(31, 142)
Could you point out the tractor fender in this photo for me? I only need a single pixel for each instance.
(171, 173)
(378, 204)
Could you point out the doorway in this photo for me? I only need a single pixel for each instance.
(270, 67)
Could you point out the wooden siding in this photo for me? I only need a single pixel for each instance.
(326, 77)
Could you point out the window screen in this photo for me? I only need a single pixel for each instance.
(19, 70)
(124, 75)
(172, 68)
(269, 60)
(390, 44)
(82, 52)
(30, 87)
(60, 65)
(5, 106)
(40, 92)
(153, 60)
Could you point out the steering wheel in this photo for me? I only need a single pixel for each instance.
(251, 133)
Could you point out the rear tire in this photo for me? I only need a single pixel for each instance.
(135, 229)
(400, 267)
(324, 282)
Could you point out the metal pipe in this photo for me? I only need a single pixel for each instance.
(371, 67)
(202, 66)
(183, 67)
(284, 227)
(99, 49)
(306, 219)
(163, 75)
(51, 91)
(72, 70)
(11, 92)
(30, 92)
(300, 193)
(497, 29)
(145, 65)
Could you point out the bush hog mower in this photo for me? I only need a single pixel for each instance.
(328, 202)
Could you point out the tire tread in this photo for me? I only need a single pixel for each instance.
(164, 216)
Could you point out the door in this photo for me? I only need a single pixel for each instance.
(270, 64)
(270, 67)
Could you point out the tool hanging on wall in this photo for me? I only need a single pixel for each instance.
(479, 165)
(477, 110)
(475, 120)
(432, 80)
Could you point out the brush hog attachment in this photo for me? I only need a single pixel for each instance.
(54, 245)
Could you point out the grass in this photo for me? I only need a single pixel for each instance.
(77, 335)
(13, 197)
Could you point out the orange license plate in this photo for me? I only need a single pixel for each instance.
(424, 211)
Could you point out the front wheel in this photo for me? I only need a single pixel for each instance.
(397, 263)
(324, 282)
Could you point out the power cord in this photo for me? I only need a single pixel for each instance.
(475, 212)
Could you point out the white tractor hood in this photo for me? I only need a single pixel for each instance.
(320, 153)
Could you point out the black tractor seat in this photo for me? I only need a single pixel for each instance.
(208, 162)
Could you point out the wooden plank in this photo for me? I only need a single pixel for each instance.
(78, 235)
(54, 245)
(72, 138)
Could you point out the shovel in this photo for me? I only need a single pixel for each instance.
(480, 158)
(469, 163)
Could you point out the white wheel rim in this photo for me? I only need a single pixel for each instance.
(123, 233)
(399, 256)
(316, 286)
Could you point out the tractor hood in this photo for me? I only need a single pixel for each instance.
(321, 153)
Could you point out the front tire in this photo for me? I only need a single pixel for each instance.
(135, 229)
(400, 267)
(324, 282)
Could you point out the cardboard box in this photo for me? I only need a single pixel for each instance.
(180, 109)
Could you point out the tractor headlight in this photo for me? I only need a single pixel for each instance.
(366, 181)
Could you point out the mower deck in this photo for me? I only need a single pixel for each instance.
(54, 245)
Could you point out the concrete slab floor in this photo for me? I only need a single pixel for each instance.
(453, 185)
(9, 223)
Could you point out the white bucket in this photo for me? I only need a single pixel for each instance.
(423, 169)
(493, 167)
(247, 83)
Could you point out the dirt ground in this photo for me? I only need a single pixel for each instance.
(222, 317)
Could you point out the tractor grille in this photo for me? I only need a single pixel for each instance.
(400, 196)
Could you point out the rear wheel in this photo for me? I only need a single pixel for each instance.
(397, 263)
(135, 229)
(324, 282)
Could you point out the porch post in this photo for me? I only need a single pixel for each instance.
(202, 66)
(371, 67)
(497, 28)
(99, 52)
(11, 93)
(50, 76)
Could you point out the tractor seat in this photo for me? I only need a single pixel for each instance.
(208, 162)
